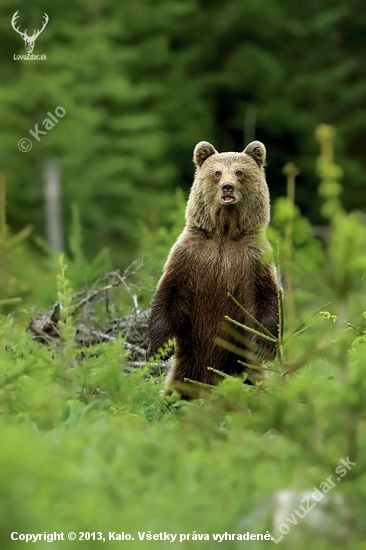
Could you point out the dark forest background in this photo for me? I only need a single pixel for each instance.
(142, 82)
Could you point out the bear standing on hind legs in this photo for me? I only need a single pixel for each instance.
(222, 249)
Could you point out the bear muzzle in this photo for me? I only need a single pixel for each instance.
(228, 196)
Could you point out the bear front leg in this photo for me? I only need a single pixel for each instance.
(266, 310)
(161, 321)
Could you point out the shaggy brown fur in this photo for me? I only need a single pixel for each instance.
(222, 248)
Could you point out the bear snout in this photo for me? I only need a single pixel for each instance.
(228, 195)
(227, 187)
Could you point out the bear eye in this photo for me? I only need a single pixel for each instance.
(239, 173)
(218, 174)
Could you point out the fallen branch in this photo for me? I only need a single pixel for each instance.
(91, 312)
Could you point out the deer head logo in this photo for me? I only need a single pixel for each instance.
(28, 40)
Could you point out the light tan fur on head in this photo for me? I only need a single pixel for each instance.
(229, 195)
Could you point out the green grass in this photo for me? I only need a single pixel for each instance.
(87, 447)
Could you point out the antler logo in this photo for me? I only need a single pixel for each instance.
(29, 40)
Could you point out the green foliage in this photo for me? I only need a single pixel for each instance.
(142, 83)
(81, 269)
(155, 245)
(89, 445)
(27, 276)
(18, 270)
(110, 144)
(346, 242)
(65, 381)
(87, 441)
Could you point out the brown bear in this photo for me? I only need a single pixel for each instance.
(222, 249)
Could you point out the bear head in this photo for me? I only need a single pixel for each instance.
(229, 195)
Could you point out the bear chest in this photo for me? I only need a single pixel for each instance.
(217, 266)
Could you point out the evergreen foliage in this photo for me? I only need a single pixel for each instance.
(141, 83)
(90, 447)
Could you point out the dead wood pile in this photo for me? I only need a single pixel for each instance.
(98, 318)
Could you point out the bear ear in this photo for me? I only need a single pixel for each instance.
(202, 151)
(257, 151)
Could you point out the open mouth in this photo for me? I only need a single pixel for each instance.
(227, 199)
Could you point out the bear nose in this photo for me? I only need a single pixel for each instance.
(227, 187)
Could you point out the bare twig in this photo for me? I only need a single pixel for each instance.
(91, 328)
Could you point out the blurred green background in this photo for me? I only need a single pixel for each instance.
(142, 82)
(87, 442)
